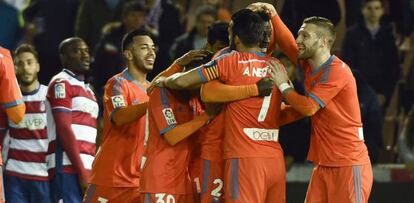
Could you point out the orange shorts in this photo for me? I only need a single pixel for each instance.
(340, 184)
(255, 180)
(212, 181)
(167, 198)
(102, 194)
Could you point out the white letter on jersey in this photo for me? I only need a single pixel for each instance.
(246, 71)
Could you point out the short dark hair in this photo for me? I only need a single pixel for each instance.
(364, 2)
(63, 46)
(133, 6)
(248, 26)
(326, 25)
(23, 48)
(129, 37)
(206, 10)
(218, 32)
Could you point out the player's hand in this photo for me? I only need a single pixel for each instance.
(265, 7)
(193, 55)
(212, 109)
(160, 82)
(84, 186)
(265, 86)
(277, 72)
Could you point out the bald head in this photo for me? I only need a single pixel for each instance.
(74, 55)
(65, 44)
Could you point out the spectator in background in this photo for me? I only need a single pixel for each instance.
(108, 56)
(369, 46)
(197, 37)
(49, 22)
(10, 32)
(165, 17)
(26, 177)
(223, 14)
(371, 115)
(93, 15)
(71, 117)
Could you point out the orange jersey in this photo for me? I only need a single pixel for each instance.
(117, 163)
(252, 125)
(10, 92)
(165, 169)
(211, 139)
(336, 134)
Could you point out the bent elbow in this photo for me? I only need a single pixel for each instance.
(170, 141)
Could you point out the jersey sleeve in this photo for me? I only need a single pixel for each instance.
(115, 96)
(10, 95)
(59, 96)
(216, 69)
(161, 110)
(331, 83)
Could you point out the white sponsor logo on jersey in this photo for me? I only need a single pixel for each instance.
(60, 91)
(169, 116)
(259, 134)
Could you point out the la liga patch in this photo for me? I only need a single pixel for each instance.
(60, 91)
(169, 116)
(118, 101)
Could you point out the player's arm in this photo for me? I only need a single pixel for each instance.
(16, 113)
(288, 114)
(125, 115)
(174, 68)
(285, 39)
(216, 91)
(10, 96)
(182, 131)
(60, 99)
(115, 102)
(307, 106)
(282, 35)
(172, 132)
(178, 65)
(193, 78)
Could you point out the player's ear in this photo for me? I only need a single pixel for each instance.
(127, 55)
(237, 40)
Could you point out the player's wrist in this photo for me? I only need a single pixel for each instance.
(284, 86)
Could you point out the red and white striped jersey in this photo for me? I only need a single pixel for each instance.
(67, 93)
(28, 139)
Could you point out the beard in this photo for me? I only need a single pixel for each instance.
(308, 52)
(27, 81)
(140, 64)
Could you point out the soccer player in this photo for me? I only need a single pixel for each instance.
(342, 171)
(71, 112)
(116, 169)
(254, 165)
(10, 97)
(26, 177)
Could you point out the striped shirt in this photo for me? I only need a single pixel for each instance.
(28, 139)
(67, 93)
